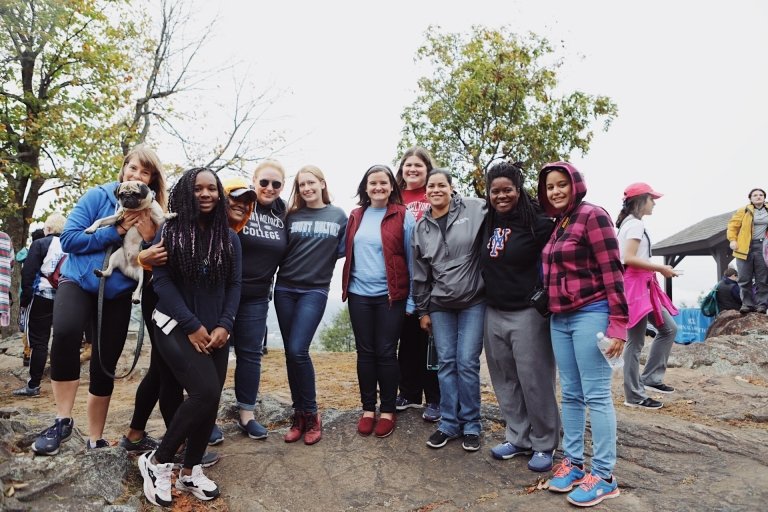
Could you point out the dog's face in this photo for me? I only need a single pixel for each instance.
(134, 195)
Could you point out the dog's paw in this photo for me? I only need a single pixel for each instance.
(98, 272)
(170, 215)
(90, 230)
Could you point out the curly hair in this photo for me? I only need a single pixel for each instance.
(527, 207)
(200, 251)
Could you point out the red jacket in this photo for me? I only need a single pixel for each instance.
(398, 279)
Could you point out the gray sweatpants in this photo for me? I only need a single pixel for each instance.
(655, 365)
(522, 367)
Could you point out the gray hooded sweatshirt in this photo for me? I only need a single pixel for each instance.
(446, 269)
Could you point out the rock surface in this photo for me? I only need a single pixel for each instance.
(707, 449)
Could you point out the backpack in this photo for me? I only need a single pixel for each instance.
(709, 305)
(52, 263)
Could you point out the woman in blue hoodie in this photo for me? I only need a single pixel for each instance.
(77, 296)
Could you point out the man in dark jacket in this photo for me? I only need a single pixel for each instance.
(728, 295)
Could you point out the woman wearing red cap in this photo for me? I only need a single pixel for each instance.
(646, 301)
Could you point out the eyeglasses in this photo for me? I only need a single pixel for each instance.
(275, 184)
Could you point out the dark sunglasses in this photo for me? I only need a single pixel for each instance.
(275, 184)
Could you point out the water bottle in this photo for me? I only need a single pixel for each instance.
(603, 344)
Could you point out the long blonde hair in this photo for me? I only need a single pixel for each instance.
(149, 158)
(296, 202)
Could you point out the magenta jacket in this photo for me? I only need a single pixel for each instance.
(644, 295)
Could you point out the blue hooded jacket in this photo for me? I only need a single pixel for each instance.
(86, 252)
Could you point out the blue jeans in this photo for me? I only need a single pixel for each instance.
(459, 341)
(585, 381)
(248, 341)
(299, 313)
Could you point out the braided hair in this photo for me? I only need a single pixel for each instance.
(631, 206)
(527, 207)
(199, 249)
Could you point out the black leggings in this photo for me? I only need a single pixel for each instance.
(158, 382)
(73, 308)
(202, 376)
(40, 320)
(412, 356)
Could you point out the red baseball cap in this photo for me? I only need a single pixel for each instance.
(637, 189)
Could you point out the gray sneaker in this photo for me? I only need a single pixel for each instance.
(143, 445)
(27, 391)
(209, 459)
(432, 413)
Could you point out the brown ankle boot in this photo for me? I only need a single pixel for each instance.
(297, 427)
(314, 429)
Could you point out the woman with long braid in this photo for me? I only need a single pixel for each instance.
(199, 292)
(518, 346)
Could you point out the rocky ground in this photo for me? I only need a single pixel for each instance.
(705, 450)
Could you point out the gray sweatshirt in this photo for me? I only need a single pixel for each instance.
(446, 270)
(315, 242)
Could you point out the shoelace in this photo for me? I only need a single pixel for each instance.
(198, 477)
(589, 481)
(163, 474)
(563, 468)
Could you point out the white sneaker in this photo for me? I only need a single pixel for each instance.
(198, 484)
(157, 480)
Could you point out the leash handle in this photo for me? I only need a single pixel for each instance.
(100, 306)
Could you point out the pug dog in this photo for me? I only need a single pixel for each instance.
(131, 196)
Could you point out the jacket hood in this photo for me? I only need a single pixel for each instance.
(579, 187)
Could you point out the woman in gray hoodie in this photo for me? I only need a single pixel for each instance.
(450, 300)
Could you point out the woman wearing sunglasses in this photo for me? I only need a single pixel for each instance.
(264, 242)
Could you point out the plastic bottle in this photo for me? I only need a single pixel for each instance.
(603, 344)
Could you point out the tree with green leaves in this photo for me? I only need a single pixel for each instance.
(492, 95)
(338, 337)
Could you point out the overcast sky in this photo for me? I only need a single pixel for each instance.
(689, 78)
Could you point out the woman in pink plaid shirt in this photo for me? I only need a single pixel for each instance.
(583, 276)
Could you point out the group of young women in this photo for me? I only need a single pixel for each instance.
(421, 262)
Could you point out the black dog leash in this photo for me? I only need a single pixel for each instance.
(100, 305)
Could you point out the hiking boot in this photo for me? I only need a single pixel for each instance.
(746, 309)
(385, 426)
(27, 391)
(660, 388)
(593, 490)
(143, 445)
(761, 308)
(648, 403)
(540, 461)
(157, 480)
(253, 429)
(216, 437)
(49, 441)
(297, 427)
(314, 428)
(566, 476)
(202, 487)
(439, 439)
(402, 403)
(208, 460)
(507, 450)
(471, 442)
(100, 443)
(432, 413)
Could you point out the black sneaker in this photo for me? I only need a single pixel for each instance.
(101, 443)
(439, 439)
(143, 445)
(49, 441)
(209, 459)
(648, 403)
(660, 388)
(471, 442)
